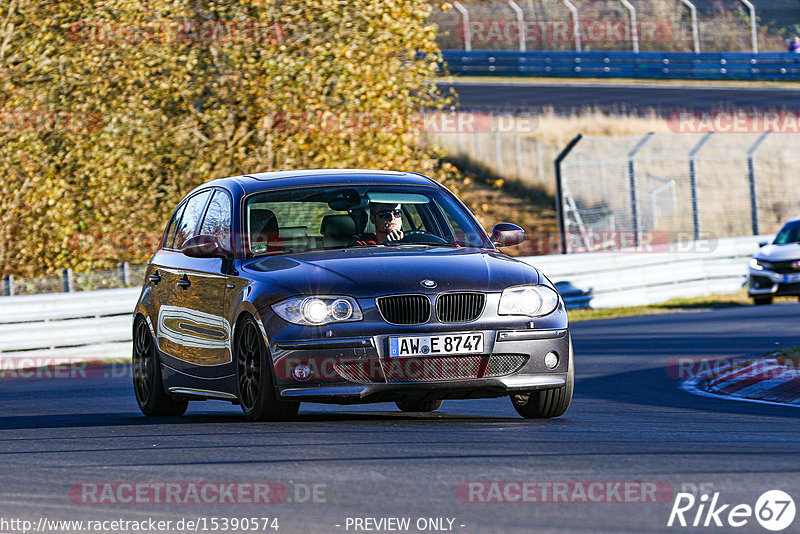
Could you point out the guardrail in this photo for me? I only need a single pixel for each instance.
(96, 325)
(624, 64)
(37, 330)
(611, 279)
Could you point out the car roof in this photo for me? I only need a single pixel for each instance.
(794, 219)
(302, 178)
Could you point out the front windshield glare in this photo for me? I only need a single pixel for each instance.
(356, 216)
(790, 233)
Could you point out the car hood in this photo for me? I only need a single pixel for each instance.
(372, 271)
(790, 251)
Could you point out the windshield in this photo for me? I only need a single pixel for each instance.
(335, 217)
(790, 233)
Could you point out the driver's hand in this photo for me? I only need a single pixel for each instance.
(395, 235)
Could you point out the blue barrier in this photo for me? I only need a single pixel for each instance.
(623, 64)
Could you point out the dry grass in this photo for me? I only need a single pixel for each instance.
(557, 130)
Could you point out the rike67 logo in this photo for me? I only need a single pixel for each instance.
(774, 510)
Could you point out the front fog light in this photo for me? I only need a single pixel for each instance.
(551, 360)
(301, 372)
(314, 310)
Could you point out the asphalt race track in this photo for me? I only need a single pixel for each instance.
(628, 422)
(619, 98)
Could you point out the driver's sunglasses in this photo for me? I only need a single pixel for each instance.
(388, 215)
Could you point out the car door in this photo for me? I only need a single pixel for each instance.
(160, 292)
(169, 275)
(204, 326)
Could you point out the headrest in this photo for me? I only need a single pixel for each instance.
(361, 218)
(292, 232)
(263, 221)
(338, 226)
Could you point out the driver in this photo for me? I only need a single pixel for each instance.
(388, 222)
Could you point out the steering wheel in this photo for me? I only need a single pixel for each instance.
(421, 236)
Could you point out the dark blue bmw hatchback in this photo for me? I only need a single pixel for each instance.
(343, 286)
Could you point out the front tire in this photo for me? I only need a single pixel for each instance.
(761, 301)
(547, 403)
(419, 406)
(257, 395)
(147, 383)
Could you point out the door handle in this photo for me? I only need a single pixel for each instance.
(155, 278)
(183, 282)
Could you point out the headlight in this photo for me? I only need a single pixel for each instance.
(760, 265)
(318, 310)
(533, 301)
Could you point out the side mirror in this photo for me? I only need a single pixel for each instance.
(507, 235)
(763, 244)
(203, 246)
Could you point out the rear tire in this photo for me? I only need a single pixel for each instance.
(547, 403)
(148, 385)
(419, 406)
(257, 395)
(761, 301)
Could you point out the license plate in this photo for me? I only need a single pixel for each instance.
(791, 278)
(435, 344)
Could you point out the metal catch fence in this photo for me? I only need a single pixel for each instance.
(673, 188)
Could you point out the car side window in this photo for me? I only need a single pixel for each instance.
(217, 221)
(191, 217)
(173, 223)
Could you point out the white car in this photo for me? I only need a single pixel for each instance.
(775, 269)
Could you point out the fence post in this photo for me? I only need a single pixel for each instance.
(8, 285)
(498, 152)
(693, 182)
(124, 274)
(634, 29)
(66, 280)
(632, 181)
(539, 162)
(465, 25)
(695, 31)
(753, 30)
(751, 172)
(520, 23)
(560, 194)
(576, 24)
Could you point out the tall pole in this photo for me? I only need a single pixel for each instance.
(632, 178)
(751, 172)
(753, 33)
(693, 184)
(562, 228)
(520, 23)
(465, 25)
(634, 27)
(576, 24)
(695, 30)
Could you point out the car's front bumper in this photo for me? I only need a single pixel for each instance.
(765, 283)
(359, 370)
